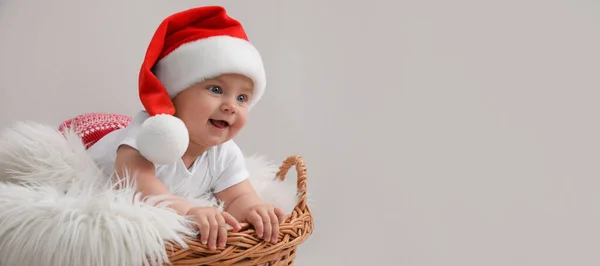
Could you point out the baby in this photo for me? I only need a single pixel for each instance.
(199, 78)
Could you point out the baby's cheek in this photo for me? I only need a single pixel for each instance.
(234, 129)
(193, 127)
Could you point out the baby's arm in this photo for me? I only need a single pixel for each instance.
(130, 161)
(242, 201)
(211, 222)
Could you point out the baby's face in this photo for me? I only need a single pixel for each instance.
(215, 110)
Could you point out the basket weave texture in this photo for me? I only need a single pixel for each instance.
(244, 247)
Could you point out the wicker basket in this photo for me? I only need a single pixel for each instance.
(244, 247)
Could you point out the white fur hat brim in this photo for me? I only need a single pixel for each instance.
(207, 58)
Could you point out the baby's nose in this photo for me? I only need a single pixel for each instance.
(228, 108)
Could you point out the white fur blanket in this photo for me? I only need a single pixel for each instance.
(56, 208)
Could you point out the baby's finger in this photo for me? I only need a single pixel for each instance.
(280, 215)
(275, 227)
(266, 221)
(229, 219)
(255, 219)
(204, 229)
(222, 237)
(214, 231)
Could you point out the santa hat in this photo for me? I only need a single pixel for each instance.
(189, 47)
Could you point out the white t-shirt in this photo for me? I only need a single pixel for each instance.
(218, 168)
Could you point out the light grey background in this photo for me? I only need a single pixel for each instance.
(435, 132)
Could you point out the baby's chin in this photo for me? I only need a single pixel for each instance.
(215, 141)
(210, 139)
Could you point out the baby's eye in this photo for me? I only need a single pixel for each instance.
(242, 98)
(215, 89)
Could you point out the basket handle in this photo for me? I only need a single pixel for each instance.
(298, 162)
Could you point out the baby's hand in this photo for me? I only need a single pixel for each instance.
(266, 220)
(212, 224)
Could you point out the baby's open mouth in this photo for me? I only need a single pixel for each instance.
(219, 123)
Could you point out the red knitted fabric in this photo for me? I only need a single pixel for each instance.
(91, 127)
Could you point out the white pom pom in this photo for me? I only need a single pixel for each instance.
(162, 139)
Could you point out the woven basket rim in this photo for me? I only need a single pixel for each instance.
(244, 247)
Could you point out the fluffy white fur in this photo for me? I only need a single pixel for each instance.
(206, 58)
(56, 208)
(35, 153)
(162, 139)
(277, 193)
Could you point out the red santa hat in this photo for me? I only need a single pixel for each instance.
(189, 47)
